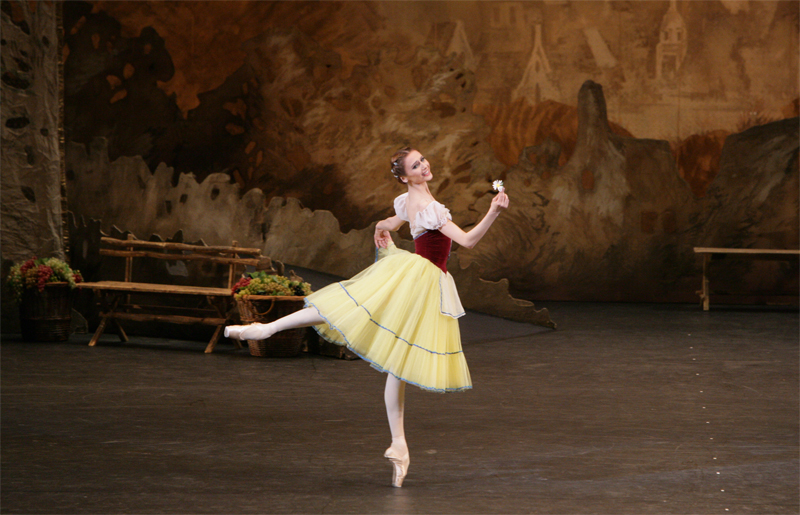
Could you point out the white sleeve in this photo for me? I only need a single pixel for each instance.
(400, 207)
(433, 217)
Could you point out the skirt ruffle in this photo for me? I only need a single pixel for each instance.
(390, 314)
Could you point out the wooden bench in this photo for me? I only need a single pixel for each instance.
(216, 303)
(709, 252)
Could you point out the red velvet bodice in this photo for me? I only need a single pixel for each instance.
(434, 246)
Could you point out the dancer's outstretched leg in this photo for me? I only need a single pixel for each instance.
(303, 318)
(397, 453)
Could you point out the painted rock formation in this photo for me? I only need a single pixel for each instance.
(214, 212)
(618, 222)
(31, 156)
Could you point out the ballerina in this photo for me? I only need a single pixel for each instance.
(401, 313)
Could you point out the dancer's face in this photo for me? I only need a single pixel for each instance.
(417, 168)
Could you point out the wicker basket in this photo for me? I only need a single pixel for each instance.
(265, 309)
(46, 316)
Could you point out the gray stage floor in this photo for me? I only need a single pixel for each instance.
(626, 409)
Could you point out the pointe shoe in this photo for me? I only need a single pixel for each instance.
(256, 331)
(234, 331)
(249, 332)
(399, 466)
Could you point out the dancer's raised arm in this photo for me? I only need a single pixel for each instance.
(382, 228)
(471, 238)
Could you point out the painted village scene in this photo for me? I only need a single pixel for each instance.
(627, 133)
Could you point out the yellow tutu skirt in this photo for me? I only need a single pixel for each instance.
(400, 315)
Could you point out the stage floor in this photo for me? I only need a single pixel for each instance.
(625, 409)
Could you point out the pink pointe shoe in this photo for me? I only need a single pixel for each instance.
(399, 466)
(249, 332)
(234, 331)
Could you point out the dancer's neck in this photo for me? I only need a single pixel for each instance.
(420, 190)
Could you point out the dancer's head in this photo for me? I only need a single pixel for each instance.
(409, 165)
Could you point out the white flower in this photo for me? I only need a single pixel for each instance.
(498, 186)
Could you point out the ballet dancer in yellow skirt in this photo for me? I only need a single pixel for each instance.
(400, 314)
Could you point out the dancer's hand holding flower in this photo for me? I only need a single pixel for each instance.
(500, 201)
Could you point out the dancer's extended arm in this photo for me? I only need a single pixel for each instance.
(382, 228)
(471, 238)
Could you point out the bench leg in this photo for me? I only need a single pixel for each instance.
(123, 337)
(223, 307)
(704, 295)
(99, 332)
(214, 339)
(109, 314)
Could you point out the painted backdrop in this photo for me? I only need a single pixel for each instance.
(627, 132)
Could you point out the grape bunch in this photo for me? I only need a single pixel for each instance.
(262, 283)
(43, 275)
(36, 273)
(240, 284)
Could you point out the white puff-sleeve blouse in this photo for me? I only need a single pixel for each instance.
(432, 218)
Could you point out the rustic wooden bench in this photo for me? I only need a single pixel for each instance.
(709, 252)
(115, 296)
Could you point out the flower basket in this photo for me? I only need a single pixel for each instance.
(263, 297)
(42, 288)
(46, 316)
(265, 309)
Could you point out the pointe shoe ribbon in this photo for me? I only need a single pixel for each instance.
(399, 466)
